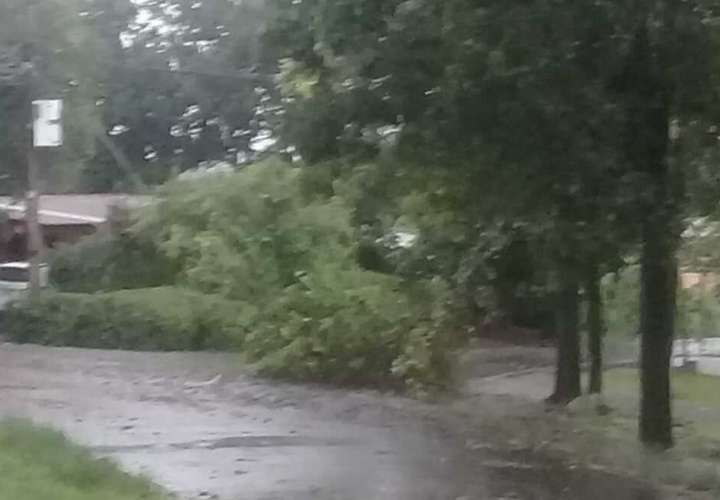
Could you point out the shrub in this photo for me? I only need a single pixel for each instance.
(246, 236)
(253, 238)
(110, 262)
(161, 319)
(352, 327)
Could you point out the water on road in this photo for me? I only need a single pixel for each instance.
(202, 427)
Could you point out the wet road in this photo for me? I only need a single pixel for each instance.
(202, 427)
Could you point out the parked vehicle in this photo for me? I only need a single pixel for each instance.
(15, 281)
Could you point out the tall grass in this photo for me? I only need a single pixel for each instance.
(40, 464)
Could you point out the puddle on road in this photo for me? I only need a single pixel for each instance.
(227, 443)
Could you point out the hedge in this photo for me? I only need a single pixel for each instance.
(282, 279)
(106, 262)
(353, 327)
(153, 319)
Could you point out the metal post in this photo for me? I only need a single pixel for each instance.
(34, 242)
(32, 201)
(34, 231)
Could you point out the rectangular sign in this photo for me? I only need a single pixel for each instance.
(47, 123)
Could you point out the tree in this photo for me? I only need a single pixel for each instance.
(507, 104)
(561, 111)
(595, 328)
(46, 41)
(185, 85)
(149, 89)
(666, 79)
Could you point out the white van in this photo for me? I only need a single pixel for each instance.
(15, 281)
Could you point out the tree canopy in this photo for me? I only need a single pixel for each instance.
(573, 118)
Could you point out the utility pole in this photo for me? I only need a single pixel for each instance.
(32, 197)
(45, 132)
(34, 231)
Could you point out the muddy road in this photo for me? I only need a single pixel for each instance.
(202, 427)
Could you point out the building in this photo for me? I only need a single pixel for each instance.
(64, 218)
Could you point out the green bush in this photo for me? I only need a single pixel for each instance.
(246, 236)
(352, 327)
(259, 238)
(110, 262)
(254, 239)
(163, 319)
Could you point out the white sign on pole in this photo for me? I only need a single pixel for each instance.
(47, 123)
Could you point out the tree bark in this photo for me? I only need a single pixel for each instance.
(658, 275)
(567, 376)
(658, 287)
(649, 103)
(596, 329)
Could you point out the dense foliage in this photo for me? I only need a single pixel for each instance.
(248, 235)
(571, 119)
(353, 326)
(289, 261)
(182, 86)
(109, 262)
(257, 237)
(162, 319)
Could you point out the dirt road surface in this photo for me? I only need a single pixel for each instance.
(202, 427)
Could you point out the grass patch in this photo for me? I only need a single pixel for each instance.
(609, 442)
(694, 388)
(40, 464)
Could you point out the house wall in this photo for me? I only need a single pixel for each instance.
(707, 282)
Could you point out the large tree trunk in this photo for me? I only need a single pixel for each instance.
(596, 329)
(649, 103)
(660, 234)
(567, 376)
(658, 287)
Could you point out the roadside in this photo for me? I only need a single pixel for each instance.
(608, 441)
(39, 464)
(202, 426)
